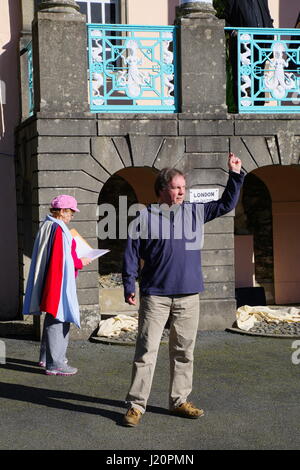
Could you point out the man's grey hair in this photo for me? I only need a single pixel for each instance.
(164, 178)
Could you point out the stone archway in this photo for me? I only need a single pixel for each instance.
(135, 150)
(253, 229)
(283, 183)
(124, 165)
(268, 156)
(129, 161)
(271, 213)
(134, 186)
(258, 151)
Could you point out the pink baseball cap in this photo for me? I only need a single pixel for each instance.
(63, 201)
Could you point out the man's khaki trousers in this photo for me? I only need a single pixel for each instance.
(153, 314)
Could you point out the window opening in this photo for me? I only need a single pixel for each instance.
(100, 11)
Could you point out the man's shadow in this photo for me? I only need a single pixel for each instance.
(60, 399)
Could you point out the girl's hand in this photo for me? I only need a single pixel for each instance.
(86, 261)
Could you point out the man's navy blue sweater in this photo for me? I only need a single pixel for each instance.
(169, 268)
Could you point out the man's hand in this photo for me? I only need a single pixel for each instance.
(130, 299)
(234, 163)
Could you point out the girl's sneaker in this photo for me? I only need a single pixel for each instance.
(65, 370)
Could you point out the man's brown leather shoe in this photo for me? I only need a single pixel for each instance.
(132, 417)
(187, 410)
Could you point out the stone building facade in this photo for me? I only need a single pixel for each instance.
(67, 149)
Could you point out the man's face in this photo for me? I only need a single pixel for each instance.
(175, 192)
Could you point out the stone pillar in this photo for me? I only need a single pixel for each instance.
(60, 58)
(202, 55)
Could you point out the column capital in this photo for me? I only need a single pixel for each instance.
(58, 6)
(195, 9)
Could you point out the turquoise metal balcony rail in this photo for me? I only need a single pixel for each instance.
(268, 70)
(132, 69)
(27, 52)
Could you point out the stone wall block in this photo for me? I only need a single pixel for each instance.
(224, 224)
(206, 177)
(266, 126)
(218, 274)
(271, 142)
(217, 314)
(144, 149)
(86, 215)
(67, 127)
(87, 229)
(45, 195)
(61, 162)
(218, 290)
(238, 148)
(207, 144)
(56, 144)
(258, 149)
(206, 127)
(70, 162)
(219, 257)
(296, 151)
(122, 146)
(130, 126)
(214, 241)
(212, 161)
(88, 296)
(68, 179)
(87, 279)
(171, 151)
(104, 151)
(285, 141)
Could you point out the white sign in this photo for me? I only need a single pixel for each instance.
(204, 195)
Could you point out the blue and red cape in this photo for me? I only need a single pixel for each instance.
(51, 285)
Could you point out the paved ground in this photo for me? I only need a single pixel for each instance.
(248, 387)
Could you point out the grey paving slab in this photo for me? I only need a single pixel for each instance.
(248, 387)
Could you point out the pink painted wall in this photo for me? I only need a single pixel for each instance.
(288, 13)
(10, 25)
(286, 227)
(244, 261)
(283, 183)
(156, 12)
(284, 12)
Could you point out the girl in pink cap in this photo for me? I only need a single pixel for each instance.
(51, 286)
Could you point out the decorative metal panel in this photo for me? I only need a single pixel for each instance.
(132, 68)
(27, 51)
(268, 70)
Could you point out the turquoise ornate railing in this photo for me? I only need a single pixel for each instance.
(27, 52)
(268, 70)
(30, 78)
(132, 68)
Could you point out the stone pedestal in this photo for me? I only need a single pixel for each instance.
(60, 58)
(202, 54)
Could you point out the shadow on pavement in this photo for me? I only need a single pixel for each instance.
(60, 399)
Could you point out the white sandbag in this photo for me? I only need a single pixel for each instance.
(248, 316)
(114, 325)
